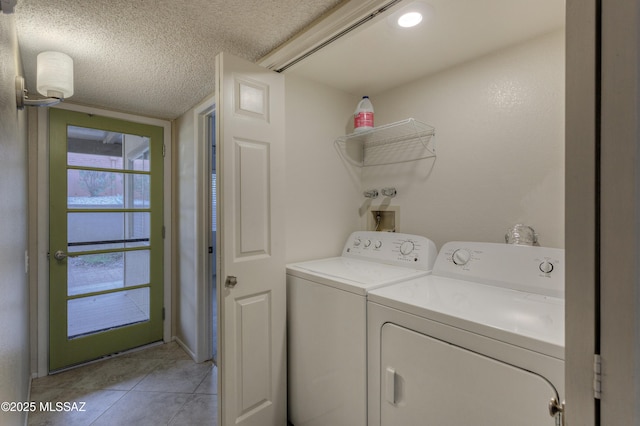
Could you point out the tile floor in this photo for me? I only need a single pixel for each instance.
(160, 385)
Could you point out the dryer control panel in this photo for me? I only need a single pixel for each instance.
(392, 248)
(537, 270)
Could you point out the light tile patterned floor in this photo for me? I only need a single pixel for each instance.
(156, 386)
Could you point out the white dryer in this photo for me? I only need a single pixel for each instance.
(326, 323)
(480, 341)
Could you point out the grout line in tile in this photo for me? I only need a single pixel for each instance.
(127, 392)
(109, 407)
(178, 411)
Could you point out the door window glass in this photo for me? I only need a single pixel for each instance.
(103, 312)
(90, 273)
(107, 230)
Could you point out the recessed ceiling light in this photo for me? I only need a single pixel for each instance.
(410, 19)
(411, 15)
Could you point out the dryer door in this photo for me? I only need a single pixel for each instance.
(425, 381)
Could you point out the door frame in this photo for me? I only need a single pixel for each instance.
(39, 209)
(204, 294)
(602, 211)
(619, 187)
(581, 214)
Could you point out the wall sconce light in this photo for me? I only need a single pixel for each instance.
(54, 80)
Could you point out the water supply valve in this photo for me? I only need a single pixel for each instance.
(371, 193)
(389, 192)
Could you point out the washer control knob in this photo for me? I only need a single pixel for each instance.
(461, 257)
(407, 247)
(367, 243)
(356, 242)
(546, 267)
(378, 244)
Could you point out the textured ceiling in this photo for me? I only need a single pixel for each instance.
(154, 57)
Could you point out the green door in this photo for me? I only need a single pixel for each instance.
(105, 243)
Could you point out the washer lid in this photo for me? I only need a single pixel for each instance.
(531, 321)
(353, 275)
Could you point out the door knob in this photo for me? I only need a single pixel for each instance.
(60, 255)
(556, 409)
(231, 281)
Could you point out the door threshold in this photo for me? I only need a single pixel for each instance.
(106, 357)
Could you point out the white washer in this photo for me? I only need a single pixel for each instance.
(480, 341)
(326, 323)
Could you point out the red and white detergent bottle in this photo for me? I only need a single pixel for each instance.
(363, 116)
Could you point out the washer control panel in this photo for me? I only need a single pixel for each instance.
(414, 251)
(538, 270)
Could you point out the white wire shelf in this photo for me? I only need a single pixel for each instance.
(406, 140)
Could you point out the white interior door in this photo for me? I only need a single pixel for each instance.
(252, 290)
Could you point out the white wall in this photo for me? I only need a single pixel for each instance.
(186, 289)
(500, 147)
(323, 193)
(14, 290)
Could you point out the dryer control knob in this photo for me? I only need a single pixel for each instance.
(356, 242)
(378, 244)
(367, 243)
(407, 247)
(461, 257)
(546, 267)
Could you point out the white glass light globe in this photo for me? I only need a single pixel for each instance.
(55, 75)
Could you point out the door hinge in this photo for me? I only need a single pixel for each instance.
(597, 376)
(163, 314)
(164, 150)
